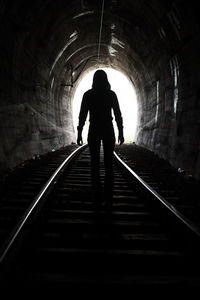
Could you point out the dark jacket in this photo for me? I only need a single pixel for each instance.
(99, 104)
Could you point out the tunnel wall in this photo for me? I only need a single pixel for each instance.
(169, 122)
(38, 121)
(35, 111)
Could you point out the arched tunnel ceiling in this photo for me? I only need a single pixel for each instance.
(130, 29)
(64, 33)
(67, 32)
(154, 42)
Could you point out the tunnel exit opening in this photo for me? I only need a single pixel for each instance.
(126, 95)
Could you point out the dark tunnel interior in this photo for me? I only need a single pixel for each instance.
(47, 47)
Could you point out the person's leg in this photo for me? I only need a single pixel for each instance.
(108, 145)
(94, 146)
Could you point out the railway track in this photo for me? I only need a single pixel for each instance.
(64, 240)
(19, 189)
(179, 189)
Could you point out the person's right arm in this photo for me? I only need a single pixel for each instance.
(118, 118)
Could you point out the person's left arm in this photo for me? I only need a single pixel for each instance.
(118, 118)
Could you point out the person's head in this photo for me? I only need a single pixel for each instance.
(100, 80)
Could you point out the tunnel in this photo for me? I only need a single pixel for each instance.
(47, 47)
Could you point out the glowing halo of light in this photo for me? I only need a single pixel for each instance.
(126, 96)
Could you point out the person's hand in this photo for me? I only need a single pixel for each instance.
(121, 139)
(79, 140)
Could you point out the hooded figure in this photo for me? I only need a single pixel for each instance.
(100, 101)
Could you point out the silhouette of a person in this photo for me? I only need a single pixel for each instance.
(99, 102)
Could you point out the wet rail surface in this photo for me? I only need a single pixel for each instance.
(73, 242)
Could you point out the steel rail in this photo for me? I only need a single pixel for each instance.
(33, 206)
(195, 229)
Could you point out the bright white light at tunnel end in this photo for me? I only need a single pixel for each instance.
(126, 96)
